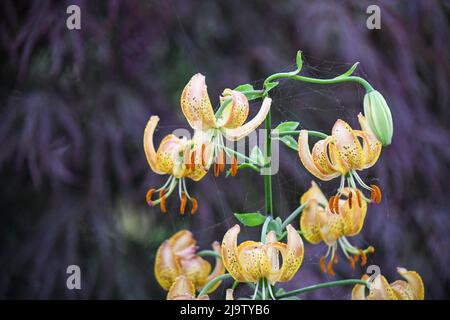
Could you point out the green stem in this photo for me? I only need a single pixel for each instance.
(347, 282)
(290, 75)
(240, 155)
(268, 173)
(264, 229)
(211, 283)
(208, 253)
(316, 134)
(293, 215)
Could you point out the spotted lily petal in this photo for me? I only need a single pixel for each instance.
(359, 290)
(230, 255)
(254, 259)
(413, 288)
(292, 256)
(219, 268)
(167, 267)
(381, 290)
(181, 289)
(196, 105)
(196, 269)
(352, 213)
(236, 112)
(348, 145)
(168, 153)
(182, 244)
(371, 146)
(244, 130)
(149, 147)
(309, 222)
(307, 159)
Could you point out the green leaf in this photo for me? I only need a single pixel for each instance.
(253, 219)
(270, 85)
(290, 142)
(349, 72)
(244, 87)
(286, 126)
(257, 156)
(299, 60)
(275, 225)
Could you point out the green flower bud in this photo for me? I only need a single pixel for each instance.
(378, 116)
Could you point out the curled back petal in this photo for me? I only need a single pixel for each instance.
(371, 146)
(167, 267)
(196, 105)
(359, 290)
(354, 215)
(236, 112)
(149, 147)
(414, 281)
(307, 160)
(219, 268)
(182, 244)
(244, 130)
(331, 226)
(292, 255)
(255, 260)
(168, 153)
(230, 256)
(321, 158)
(196, 269)
(309, 223)
(381, 290)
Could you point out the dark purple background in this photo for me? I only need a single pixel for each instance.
(74, 105)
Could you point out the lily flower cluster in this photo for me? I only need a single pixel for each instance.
(182, 158)
(182, 270)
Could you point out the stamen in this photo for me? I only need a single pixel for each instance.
(336, 204)
(331, 203)
(194, 205)
(221, 161)
(350, 196)
(234, 166)
(162, 196)
(322, 264)
(216, 169)
(149, 195)
(335, 259)
(192, 164)
(363, 258)
(330, 268)
(375, 193)
(356, 258)
(183, 203)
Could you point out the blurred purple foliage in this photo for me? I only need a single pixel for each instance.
(74, 105)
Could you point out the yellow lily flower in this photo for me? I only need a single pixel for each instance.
(252, 261)
(183, 289)
(176, 157)
(176, 257)
(210, 129)
(320, 223)
(342, 154)
(380, 289)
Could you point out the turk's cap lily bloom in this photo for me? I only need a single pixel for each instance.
(229, 124)
(341, 154)
(252, 261)
(379, 116)
(176, 157)
(177, 256)
(183, 289)
(411, 288)
(319, 222)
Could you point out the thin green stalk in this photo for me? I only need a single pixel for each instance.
(316, 134)
(293, 215)
(264, 229)
(347, 282)
(211, 283)
(268, 173)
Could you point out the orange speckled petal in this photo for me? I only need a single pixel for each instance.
(353, 217)
(230, 254)
(168, 152)
(181, 289)
(236, 112)
(414, 281)
(255, 260)
(196, 105)
(196, 269)
(243, 131)
(331, 226)
(167, 267)
(314, 193)
(321, 159)
(149, 147)
(381, 290)
(371, 147)
(183, 243)
(292, 256)
(348, 146)
(271, 237)
(306, 158)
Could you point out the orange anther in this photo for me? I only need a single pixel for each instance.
(162, 204)
(192, 164)
(331, 203)
(203, 155)
(216, 169)
(194, 205)
(322, 264)
(370, 249)
(363, 258)
(234, 166)
(336, 203)
(330, 268)
(358, 197)
(356, 258)
(352, 263)
(221, 161)
(350, 196)
(149, 195)
(335, 259)
(183, 203)
(376, 193)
